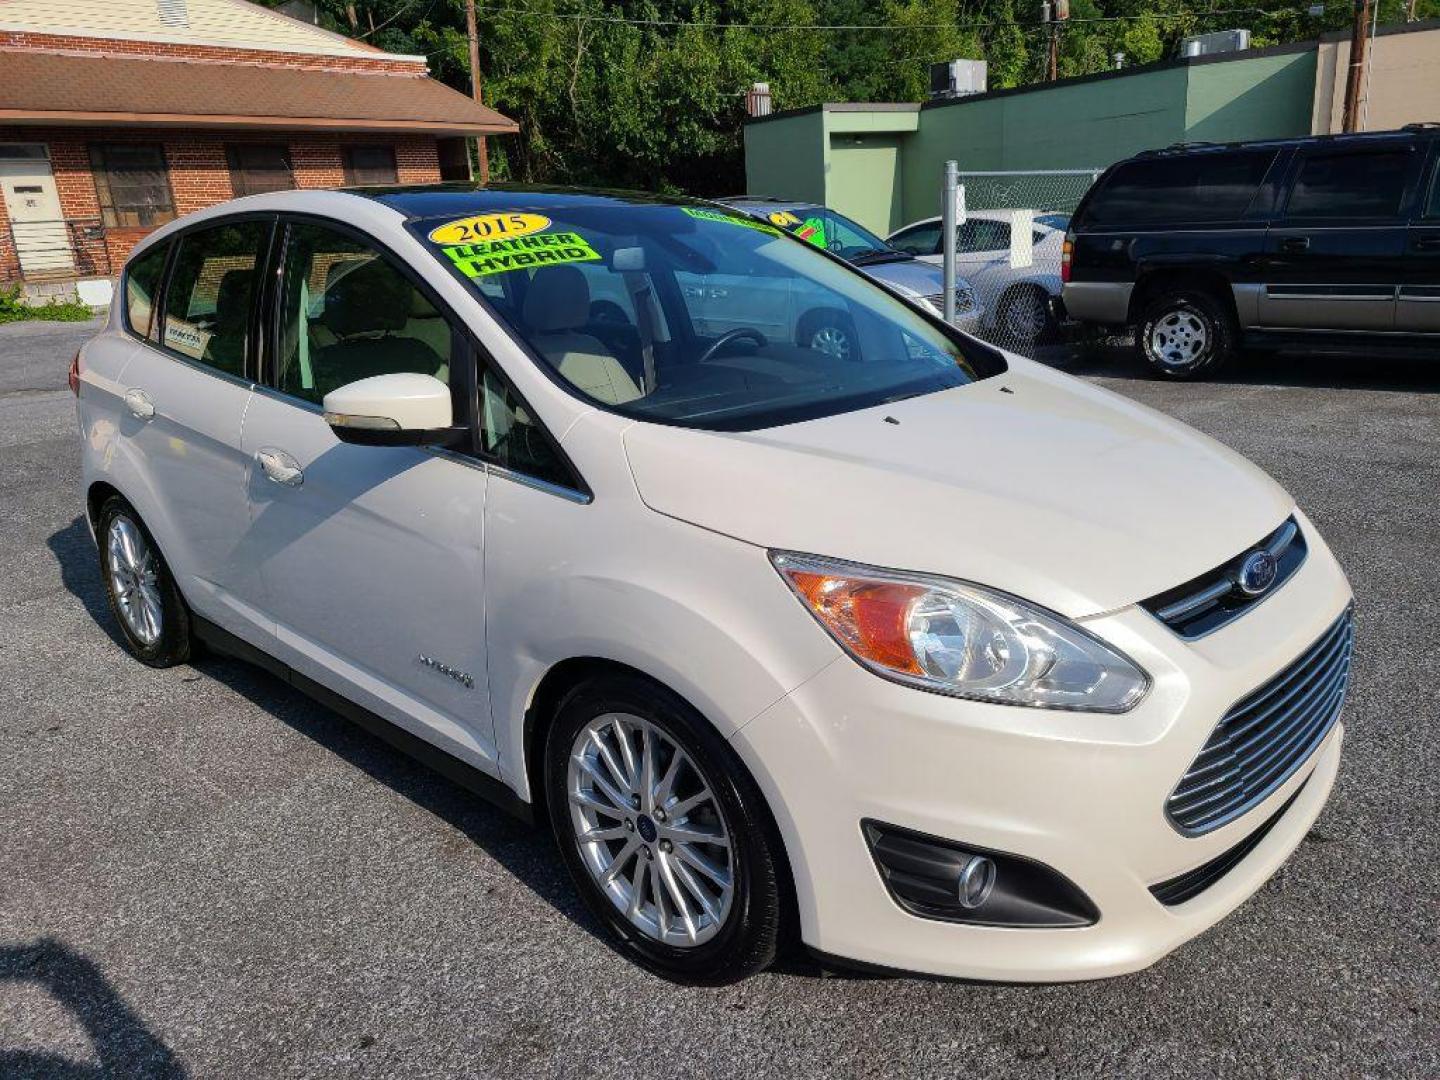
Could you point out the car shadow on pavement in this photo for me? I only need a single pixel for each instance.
(74, 551)
(1116, 359)
(124, 1046)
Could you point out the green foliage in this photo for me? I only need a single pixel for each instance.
(650, 93)
(13, 309)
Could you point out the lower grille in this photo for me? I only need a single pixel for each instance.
(1260, 742)
(1192, 883)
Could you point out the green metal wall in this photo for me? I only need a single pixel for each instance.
(884, 167)
(1269, 97)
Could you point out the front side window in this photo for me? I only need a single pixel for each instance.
(1349, 185)
(256, 168)
(348, 313)
(921, 240)
(142, 279)
(132, 183)
(514, 438)
(366, 165)
(696, 316)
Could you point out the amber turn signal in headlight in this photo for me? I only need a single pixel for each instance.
(962, 639)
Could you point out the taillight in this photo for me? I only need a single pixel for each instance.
(1066, 250)
(74, 378)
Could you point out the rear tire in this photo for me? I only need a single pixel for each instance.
(144, 599)
(1024, 317)
(1185, 333)
(830, 332)
(707, 913)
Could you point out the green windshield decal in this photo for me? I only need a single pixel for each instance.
(702, 214)
(519, 253)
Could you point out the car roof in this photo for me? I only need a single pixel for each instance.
(750, 203)
(985, 215)
(426, 200)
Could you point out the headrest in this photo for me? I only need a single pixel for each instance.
(366, 299)
(558, 299)
(232, 299)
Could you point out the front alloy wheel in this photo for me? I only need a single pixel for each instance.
(649, 830)
(663, 831)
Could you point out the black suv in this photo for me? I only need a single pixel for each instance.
(1296, 241)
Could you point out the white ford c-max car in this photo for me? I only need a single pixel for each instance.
(942, 659)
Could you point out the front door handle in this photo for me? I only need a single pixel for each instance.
(140, 405)
(1295, 243)
(280, 467)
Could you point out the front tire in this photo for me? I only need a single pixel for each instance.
(143, 596)
(1025, 318)
(1186, 333)
(665, 835)
(829, 332)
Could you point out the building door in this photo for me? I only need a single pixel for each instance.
(31, 199)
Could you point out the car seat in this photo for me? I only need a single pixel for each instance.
(557, 303)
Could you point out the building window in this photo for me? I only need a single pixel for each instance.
(259, 167)
(133, 184)
(370, 165)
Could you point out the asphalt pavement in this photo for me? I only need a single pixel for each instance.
(204, 874)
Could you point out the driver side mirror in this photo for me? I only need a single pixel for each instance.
(401, 409)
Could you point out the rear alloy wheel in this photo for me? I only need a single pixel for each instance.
(141, 590)
(1186, 333)
(1025, 317)
(664, 834)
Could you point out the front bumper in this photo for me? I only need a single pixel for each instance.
(1083, 794)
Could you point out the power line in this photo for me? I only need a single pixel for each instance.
(525, 11)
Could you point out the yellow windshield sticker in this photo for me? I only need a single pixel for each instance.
(702, 214)
(488, 227)
(784, 218)
(520, 253)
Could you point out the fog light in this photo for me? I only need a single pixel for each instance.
(954, 881)
(977, 878)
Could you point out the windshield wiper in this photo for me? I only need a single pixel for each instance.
(873, 258)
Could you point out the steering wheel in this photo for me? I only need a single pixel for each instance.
(738, 334)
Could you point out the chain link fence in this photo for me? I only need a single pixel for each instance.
(1009, 247)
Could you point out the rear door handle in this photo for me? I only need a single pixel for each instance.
(140, 405)
(1295, 243)
(1428, 243)
(280, 467)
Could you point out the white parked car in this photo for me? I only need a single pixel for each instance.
(952, 662)
(1018, 299)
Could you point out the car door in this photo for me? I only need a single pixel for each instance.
(186, 390)
(1417, 308)
(922, 241)
(1334, 258)
(373, 556)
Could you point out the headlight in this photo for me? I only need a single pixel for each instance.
(961, 639)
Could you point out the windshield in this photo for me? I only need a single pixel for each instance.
(836, 234)
(697, 316)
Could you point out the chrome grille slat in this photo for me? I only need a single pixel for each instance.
(1266, 737)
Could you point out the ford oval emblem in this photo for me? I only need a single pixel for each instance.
(1257, 573)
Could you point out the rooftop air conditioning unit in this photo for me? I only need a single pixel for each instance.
(957, 78)
(1221, 41)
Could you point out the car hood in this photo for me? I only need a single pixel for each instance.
(910, 276)
(1030, 482)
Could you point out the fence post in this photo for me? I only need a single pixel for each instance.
(947, 227)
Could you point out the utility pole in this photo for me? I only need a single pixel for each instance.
(1359, 34)
(1053, 13)
(475, 86)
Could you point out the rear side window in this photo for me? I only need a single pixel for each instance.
(207, 303)
(921, 240)
(1190, 187)
(142, 279)
(1350, 185)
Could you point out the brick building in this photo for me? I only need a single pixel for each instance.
(119, 115)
